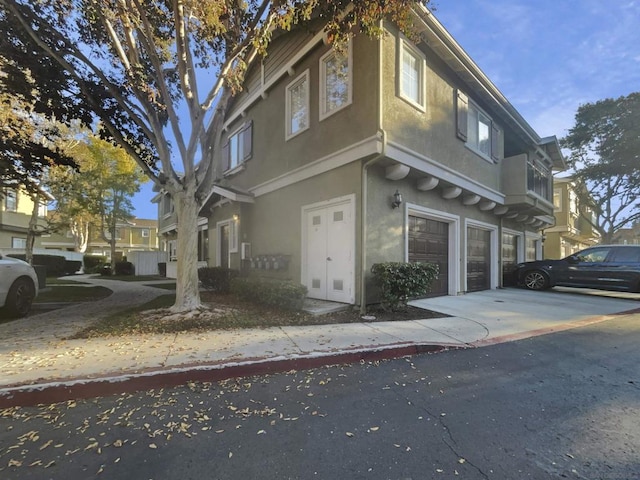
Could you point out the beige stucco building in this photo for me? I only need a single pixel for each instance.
(571, 231)
(319, 142)
(16, 208)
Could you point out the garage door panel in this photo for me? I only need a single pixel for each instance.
(478, 259)
(428, 242)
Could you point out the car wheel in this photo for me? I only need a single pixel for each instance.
(536, 280)
(20, 297)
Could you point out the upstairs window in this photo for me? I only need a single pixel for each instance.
(10, 201)
(42, 210)
(297, 106)
(335, 81)
(166, 205)
(238, 148)
(411, 68)
(478, 130)
(539, 178)
(144, 233)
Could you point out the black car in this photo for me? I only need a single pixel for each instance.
(605, 267)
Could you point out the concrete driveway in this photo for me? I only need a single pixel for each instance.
(509, 311)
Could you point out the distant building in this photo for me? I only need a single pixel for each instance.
(136, 234)
(572, 231)
(628, 236)
(16, 207)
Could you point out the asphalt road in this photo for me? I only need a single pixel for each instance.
(565, 405)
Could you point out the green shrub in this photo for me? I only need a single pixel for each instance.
(55, 264)
(217, 279)
(72, 266)
(399, 281)
(125, 268)
(283, 294)
(93, 263)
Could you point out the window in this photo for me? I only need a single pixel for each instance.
(538, 178)
(172, 250)
(297, 106)
(144, 233)
(203, 245)
(166, 205)
(10, 201)
(411, 74)
(557, 199)
(479, 132)
(18, 242)
(595, 255)
(335, 81)
(238, 148)
(42, 209)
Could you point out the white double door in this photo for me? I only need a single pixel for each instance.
(328, 246)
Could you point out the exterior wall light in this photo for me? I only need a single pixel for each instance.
(397, 200)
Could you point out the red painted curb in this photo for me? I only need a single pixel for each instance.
(30, 395)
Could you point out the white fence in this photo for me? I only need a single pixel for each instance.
(146, 263)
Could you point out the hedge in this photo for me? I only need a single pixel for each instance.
(217, 279)
(56, 265)
(400, 281)
(276, 293)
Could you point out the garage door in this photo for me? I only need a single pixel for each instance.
(429, 243)
(478, 259)
(509, 258)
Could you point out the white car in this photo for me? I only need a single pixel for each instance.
(18, 286)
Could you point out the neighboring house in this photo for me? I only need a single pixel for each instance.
(134, 235)
(393, 152)
(167, 232)
(572, 231)
(16, 207)
(628, 236)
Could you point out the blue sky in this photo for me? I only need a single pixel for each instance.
(547, 57)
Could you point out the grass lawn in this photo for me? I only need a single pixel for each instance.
(71, 293)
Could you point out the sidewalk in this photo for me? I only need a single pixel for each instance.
(38, 365)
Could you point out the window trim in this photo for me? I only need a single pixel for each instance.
(322, 93)
(303, 77)
(244, 138)
(405, 45)
(12, 194)
(495, 133)
(143, 231)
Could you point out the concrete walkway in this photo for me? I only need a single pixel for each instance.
(38, 364)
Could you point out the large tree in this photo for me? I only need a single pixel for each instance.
(605, 156)
(159, 75)
(97, 194)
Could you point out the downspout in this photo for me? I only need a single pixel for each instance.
(364, 190)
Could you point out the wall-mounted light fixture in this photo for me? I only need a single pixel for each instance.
(236, 217)
(397, 200)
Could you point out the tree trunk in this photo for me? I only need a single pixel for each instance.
(31, 232)
(187, 208)
(80, 231)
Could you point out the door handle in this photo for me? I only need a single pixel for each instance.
(329, 259)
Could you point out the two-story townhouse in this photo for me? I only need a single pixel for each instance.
(133, 235)
(168, 234)
(389, 151)
(16, 209)
(572, 231)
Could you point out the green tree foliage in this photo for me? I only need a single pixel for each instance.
(605, 155)
(98, 193)
(159, 76)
